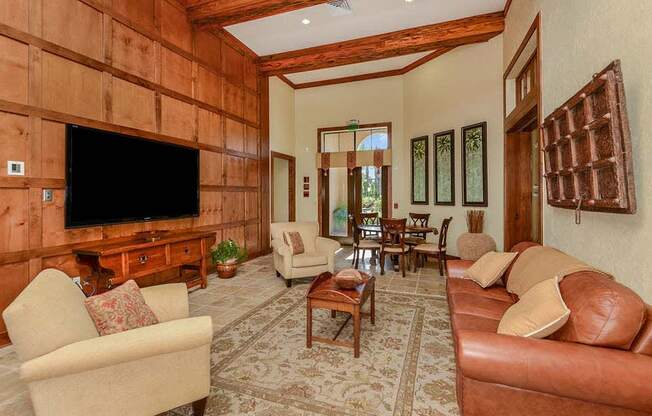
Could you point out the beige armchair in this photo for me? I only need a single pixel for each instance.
(319, 255)
(71, 370)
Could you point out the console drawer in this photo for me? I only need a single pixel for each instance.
(185, 251)
(146, 259)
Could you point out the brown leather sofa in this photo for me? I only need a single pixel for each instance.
(599, 363)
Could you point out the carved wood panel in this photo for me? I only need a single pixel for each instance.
(131, 67)
(587, 146)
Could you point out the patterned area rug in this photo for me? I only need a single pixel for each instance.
(261, 364)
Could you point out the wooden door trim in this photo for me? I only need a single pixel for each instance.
(291, 185)
(535, 26)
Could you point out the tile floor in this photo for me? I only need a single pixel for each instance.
(226, 300)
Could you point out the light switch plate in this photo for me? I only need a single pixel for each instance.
(15, 168)
(47, 195)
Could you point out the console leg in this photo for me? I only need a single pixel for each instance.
(199, 406)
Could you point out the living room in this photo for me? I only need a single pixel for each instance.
(407, 207)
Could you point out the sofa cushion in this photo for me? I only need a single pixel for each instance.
(538, 313)
(462, 322)
(459, 285)
(603, 312)
(643, 343)
(120, 309)
(489, 268)
(478, 305)
(518, 248)
(309, 260)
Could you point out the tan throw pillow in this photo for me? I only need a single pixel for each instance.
(489, 268)
(540, 312)
(294, 240)
(120, 309)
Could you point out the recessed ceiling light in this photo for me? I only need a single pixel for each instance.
(409, 1)
(306, 21)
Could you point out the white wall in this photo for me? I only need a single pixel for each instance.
(373, 101)
(578, 39)
(448, 93)
(280, 189)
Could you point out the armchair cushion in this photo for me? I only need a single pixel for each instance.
(169, 301)
(48, 314)
(120, 309)
(294, 241)
(309, 260)
(136, 344)
(308, 230)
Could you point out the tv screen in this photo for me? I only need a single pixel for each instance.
(113, 178)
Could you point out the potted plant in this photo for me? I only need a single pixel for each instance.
(226, 257)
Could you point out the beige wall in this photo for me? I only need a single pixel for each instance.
(579, 38)
(281, 211)
(447, 93)
(373, 101)
(281, 117)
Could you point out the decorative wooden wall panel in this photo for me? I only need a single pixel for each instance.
(588, 152)
(135, 67)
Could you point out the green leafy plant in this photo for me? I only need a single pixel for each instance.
(473, 139)
(444, 144)
(228, 251)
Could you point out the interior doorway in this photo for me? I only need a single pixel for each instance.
(283, 179)
(362, 189)
(522, 148)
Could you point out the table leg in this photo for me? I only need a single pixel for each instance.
(356, 331)
(309, 325)
(333, 313)
(373, 306)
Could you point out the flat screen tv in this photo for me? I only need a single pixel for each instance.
(114, 178)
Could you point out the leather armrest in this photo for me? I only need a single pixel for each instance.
(326, 245)
(281, 248)
(109, 350)
(456, 268)
(169, 301)
(577, 371)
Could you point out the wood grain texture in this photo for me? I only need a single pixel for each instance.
(234, 167)
(233, 98)
(217, 13)
(150, 75)
(403, 42)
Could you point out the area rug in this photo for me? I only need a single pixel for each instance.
(260, 363)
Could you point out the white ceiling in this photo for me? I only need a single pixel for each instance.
(285, 32)
(355, 69)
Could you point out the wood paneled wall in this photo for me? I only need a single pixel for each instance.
(136, 67)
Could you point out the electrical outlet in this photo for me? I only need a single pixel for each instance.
(47, 195)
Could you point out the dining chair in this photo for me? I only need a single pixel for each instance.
(360, 244)
(417, 220)
(392, 242)
(369, 218)
(422, 251)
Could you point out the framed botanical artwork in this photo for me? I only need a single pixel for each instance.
(474, 165)
(444, 172)
(419, 164)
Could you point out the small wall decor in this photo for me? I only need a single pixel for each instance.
(474, 165)
(419, 164)
(444, 172)
(588, 150)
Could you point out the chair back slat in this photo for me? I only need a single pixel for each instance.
(393, 232)
(419, 220)
(443, 233)
(369, 218)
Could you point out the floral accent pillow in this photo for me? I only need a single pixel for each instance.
(294, 240)
(120, 309)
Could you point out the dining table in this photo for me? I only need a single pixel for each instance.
(409, 229)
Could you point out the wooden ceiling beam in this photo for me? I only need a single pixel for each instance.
(373, 75)
(215, 14)
(403, 42)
